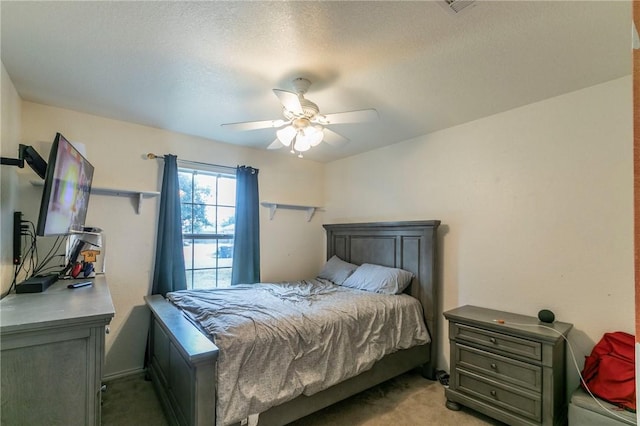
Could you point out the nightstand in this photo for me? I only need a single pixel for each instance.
(513, 371)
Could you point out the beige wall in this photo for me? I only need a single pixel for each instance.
(291, 247)
(9, 140)
(536, 206)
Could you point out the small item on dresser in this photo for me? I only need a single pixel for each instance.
(76, 269)
(546, 316)
(90, 256)
(80, 284)
(36, 284)
(87, 269)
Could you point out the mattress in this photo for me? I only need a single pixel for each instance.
(278, 341)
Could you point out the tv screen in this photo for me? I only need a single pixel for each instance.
(67, 185)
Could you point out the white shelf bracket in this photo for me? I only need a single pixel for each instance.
(140, 197)
(272, 210)
(310, 210)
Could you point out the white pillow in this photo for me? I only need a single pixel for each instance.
(337, 270)
(379, 279)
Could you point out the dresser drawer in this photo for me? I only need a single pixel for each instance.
(499, 367)
(518, 401)
(497, 341)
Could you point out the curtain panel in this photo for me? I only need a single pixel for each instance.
(246, 243)
(169, 273)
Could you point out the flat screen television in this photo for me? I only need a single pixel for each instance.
(67, 185)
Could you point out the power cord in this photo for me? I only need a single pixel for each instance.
(50, 256)
(575, 362)
(30, 265)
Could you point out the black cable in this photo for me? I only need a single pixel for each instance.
(20, 267)
(32, 254)
(13, 282)
(51, 254)
(30, 263)
(42, 266)
(27, 259)
(50, 271)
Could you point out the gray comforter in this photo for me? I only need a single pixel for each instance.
(278, 341)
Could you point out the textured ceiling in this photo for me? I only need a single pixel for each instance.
(191, 66)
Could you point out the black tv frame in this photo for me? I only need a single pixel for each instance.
(48, 184)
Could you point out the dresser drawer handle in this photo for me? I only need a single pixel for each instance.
(493, 393)
(494, 366)
(492, 340)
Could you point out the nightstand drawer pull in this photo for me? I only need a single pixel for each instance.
(492, 340)
(515, 400)
(498, 367)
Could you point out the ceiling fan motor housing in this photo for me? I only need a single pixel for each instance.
(301, 123)
(309, 110)
(301, 85)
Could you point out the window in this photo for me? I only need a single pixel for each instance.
(208, 224)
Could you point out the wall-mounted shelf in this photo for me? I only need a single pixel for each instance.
(275, 206)
(137, 195)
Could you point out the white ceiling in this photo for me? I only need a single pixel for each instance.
(191, 66)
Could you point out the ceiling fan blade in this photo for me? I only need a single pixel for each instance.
(254, 125)
(289, 100)
(333, 138)
(276, 144)
(359, 116)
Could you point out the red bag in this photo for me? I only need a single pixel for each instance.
(609, 371)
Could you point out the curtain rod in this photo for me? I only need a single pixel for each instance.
(152, 156)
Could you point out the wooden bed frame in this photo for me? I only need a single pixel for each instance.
(182, 361)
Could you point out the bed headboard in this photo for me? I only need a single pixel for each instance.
(406, 245)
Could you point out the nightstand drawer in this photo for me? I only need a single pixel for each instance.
(497, 341)
(499, 367)
(520, 402)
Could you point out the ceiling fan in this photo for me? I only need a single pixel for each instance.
(303, 126)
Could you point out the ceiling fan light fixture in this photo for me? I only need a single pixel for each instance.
(316, 138)
(286, 135)
(304, 127)
(302, 143)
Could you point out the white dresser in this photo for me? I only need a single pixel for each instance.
(52, 354)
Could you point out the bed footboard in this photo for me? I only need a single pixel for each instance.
(388, 367)
(182, 365)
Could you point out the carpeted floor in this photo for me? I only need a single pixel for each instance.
(406, 400)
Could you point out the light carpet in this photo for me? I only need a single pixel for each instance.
(408, 399)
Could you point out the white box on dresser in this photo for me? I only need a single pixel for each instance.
(507, 366)
(52, 354)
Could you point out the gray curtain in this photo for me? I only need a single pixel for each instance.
(246, 243)
(169, 274)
